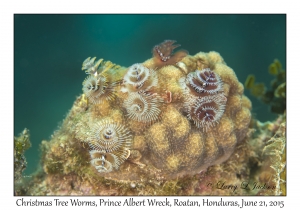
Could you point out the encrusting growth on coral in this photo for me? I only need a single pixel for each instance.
(21, 144)
(162, 127)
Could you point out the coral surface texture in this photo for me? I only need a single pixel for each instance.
(167, 126)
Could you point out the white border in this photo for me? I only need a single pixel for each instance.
(8, 8)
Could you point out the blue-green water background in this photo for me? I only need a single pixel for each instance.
(49, 51)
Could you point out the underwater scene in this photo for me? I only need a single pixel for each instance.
(132, 104)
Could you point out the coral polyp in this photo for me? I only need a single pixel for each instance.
(143, 107)
(139, 77)
(206, 111)
(108, 136)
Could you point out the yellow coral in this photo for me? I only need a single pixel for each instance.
(195, 144)
(246, 102)
(165, 140)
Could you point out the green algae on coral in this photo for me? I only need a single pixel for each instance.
(258, 90)
(274, 96)
(280, 91)
(21, 144)
(250, 81)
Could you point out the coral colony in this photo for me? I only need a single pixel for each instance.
(178, 119)
(175, 124)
